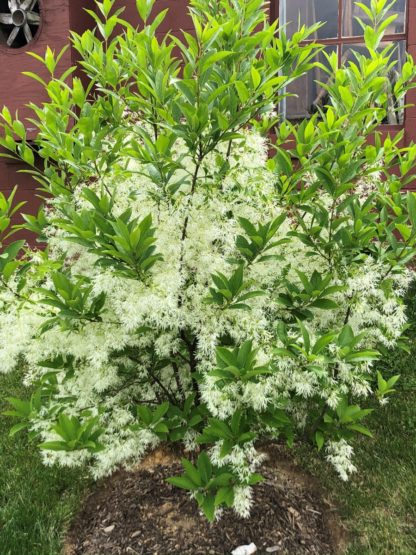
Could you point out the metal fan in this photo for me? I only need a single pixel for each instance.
(19, 26)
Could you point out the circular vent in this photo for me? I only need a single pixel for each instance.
(19, 22)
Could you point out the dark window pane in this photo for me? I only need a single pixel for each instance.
(352, 28)
(395, 111)
(310, 12)
(309, 94)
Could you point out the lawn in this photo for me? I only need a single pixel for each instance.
(378, 505)
(36, 502)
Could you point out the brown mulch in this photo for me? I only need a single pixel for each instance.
(138, 513)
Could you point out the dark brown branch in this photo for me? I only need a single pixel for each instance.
(162, 387)
(157, 381)
(191, 346)
(177, 378)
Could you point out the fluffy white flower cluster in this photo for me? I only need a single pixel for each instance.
(339, 454)
(135, 353)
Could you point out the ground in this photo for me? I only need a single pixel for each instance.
(378, 506)
(138, 513)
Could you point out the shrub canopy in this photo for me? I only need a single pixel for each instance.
(197, 281)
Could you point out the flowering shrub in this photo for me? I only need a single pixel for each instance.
(199, 284)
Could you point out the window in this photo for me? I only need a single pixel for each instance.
(341, 34)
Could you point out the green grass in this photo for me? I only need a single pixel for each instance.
(378, 505)
(36, 502)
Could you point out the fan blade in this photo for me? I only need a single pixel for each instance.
(13, 5)
(33, 18)
(12, 36)
(27, 4)
(28, 33)
(6, 18)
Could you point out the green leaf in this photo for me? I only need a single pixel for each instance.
(242, 91)
(145, 414)
(325, 304)
(362, 356)
(346, 96)
(284, 162)
(360, 429)
(161, 428)
(244, 353)
(22, 407)
(221, 480)
(160, 411)
(225, 355)
(192, 473)
(255, 77)
(392, 381)
(346, 336)
(404, 230)
(226, 448)
(255, 479)
(326, 178)
(13, 249)
(251, 295)
(19, 129)
(411, 207)
(204, 467)
(224, 496)
(144, 7)
(214, 58)
(305, 335)
(322, 342)
(182, 482)
(208, 507)
(17, 428)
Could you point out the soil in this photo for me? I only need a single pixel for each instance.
(138, 513)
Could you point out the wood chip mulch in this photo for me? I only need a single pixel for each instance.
(138, 513)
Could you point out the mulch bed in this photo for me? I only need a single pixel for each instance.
(138, 513)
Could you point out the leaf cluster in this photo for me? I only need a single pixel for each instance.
(210, 485)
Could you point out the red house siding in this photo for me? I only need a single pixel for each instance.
(59, 16)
